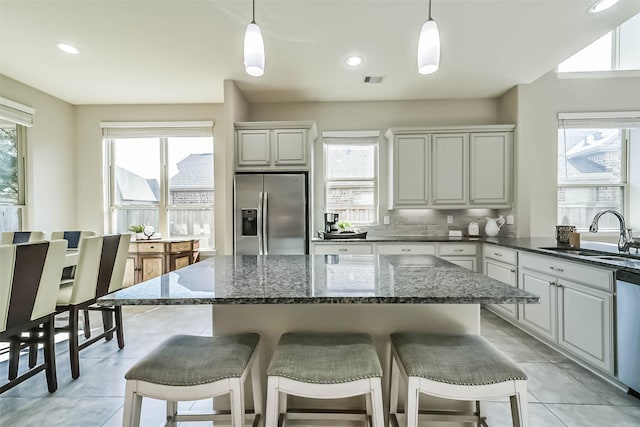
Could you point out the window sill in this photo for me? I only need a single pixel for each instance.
(611, 74)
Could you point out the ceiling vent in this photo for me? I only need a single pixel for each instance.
(372, 79)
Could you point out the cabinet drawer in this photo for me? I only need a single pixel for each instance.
(345, 249)
(457, 249)
(176, 247)
(405, 249)
(599, 278)
(150, 247)
(499, 253)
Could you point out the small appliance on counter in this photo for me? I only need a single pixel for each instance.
(331, 222)
(474, 229)
(332, 230)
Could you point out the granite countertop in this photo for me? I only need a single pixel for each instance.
(321, 279)
(398, 239)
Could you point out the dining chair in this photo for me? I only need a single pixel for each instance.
(78, 293)
(29, 280)
(113, 259)
(14, 237)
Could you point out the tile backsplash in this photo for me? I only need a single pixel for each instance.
(433, 222)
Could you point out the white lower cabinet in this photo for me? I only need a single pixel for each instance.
(343, 249)
(502, 271)
(462, 254)
(405, 249)
(575, 316)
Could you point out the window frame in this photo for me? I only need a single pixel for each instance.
(623, 184)
(21, 161)
(368, 138)
(163, 206)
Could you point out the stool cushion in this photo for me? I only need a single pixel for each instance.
(325, 358)
(454, 359)
(185, 360)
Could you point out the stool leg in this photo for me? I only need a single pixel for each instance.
(393, 392)
(256, 386)
(237, 402)
(132, 405)
(271, 412)
(377, 416)
(282, 403)
(520, 405)
(172, 411)
(74, 352)
(478, 413)
(411, 405)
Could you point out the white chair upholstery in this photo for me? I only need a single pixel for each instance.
(7, 237)
(458, 367)
(29, 279)
(324, 366)
(186, 367)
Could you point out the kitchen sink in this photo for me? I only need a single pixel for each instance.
(601, 255)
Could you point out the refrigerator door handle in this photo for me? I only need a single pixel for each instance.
(260, 215)
(265, 223)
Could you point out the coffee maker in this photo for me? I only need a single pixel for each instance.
(330, 222)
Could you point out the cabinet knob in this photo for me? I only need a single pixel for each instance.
(458, 250)
(406, 250)
(552, 283)
(342, 250)
(497, 254)
(557, 269)
(513, 270)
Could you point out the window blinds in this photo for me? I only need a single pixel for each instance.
(351, 137)
(14, 112)
(156, 129)
(603, 120)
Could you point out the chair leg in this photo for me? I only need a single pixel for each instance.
(256, 386)
(237, 402)
(520, 405)
(74, 352)
(117, 313)
(33, 348)
(172, 411)
(377, 414)
(393, 389)
(271, 412)
(478, 413)
(14, 358)
(50, 355)
(132, 405)
(411, 405)
(86, 326)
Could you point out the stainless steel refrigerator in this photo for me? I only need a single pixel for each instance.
(270, 214)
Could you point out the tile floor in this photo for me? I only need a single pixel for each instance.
(561, 393)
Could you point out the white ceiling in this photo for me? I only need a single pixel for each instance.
(181, 51)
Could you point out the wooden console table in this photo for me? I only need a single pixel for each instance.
(152, 258)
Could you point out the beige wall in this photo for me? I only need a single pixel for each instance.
(536, 163)
(89, 150)
(50, 173)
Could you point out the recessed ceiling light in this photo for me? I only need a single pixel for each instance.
(68, 48)
(602, 5)
(353, 61)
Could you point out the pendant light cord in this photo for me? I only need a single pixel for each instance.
(429, 10)
(253, 15)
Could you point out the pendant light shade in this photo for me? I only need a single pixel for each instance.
(253, 48)
(429, 47)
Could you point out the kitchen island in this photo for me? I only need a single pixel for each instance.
(376, 294)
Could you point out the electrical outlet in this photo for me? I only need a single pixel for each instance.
(385, 219)
(449, 219)
(510, 219)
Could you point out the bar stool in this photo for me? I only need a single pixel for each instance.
(187, 367)
(324, 366)
(459, 367)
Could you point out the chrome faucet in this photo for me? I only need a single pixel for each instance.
(626, 239)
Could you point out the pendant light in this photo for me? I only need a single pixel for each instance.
(253, 47)
(429, 46)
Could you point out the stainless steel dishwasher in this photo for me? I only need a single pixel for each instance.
(628, 335)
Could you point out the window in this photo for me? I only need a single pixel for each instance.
(616, 50)
(592, 168)
(351, 185)
(161, 176)
(14, 118)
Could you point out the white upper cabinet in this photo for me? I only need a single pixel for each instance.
(450, 167)
(263, 146)
(490, 168)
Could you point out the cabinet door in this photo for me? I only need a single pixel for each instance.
(540, 318)
(410, 170)
(490, 168)
(289, 147)
(504, 273)
(463, 261)
(449, 166)
(130, 271)
(177, 261)
(253, 148)
(586, 323)
(151, 265)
